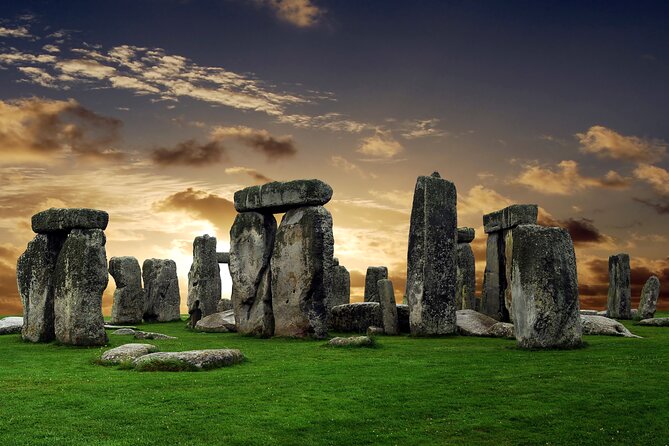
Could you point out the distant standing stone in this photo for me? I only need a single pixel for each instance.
(432, 257)
(619, 300)
(388, 307)
(128, 306)
(649, 295)
(60, 220)
(204, 277)
(162, 290)
(341, 286)
(278, 197)
(374, 274)
(465, 286)
(81, 276)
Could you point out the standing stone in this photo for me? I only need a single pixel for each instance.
(204, 277)
(432, 257)
(35, 278)
(301, 267)
(544, 289)
(161, 285)
(374, 274)
(128, 306)
(277, 197)
(619, 305)
(251, 243)
(649, 295)
(341, 286)
(81, 276)
(465, 287)
(388, 307)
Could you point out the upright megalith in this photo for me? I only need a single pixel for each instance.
(341, 286)
(35, 276)
(497, 225)
(161, 285)
(432, 255)
(388, 307)
(374, 274)
(277, 197)
(649, 296)
(619, 304)
(465, 286)
(251, 242)
(81, 277)
(543, 285)
(128, 306)
(204, 277)
(301, 265)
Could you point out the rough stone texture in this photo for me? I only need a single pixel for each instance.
(357, 317)
(388, 306)
(118, 327)
(544, 287)
(649, 296)
(151, 335)
(341, 286)
(124, 331)
(600, 325)
(11, 325)
(62, 220)
(217, 323)
(224, 305)
(619, 304)
(80, 278)
(602, 313)
(466, 235)
(223, 257)
(251, 243)
(655, 322)
(465, 279)
(590, 312)
(128, 306)
(374, 331)
(127, 352)
(353, 341)
(494, 279)
(278, 197)
(161, 285)
(510, 217)
(374, 274)
(502, 330)
(35, 270)
(472, 323)
(195, 359)
(432, 257)
(204, 277)
(301, 266)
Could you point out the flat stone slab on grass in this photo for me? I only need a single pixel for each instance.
(58, 220)
(655, 322)
(188, 361)
(473, 323)
(119, 327)
(353, 341)
(277, 197)
(125, 331)
(127, 352)
(223, 322)
(151, 335)
(600, 325)
(502, 330)
(11, 325)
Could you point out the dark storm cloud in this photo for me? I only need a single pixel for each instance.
(582, 230)
(273, 147)
(190, 153)
(201, 205)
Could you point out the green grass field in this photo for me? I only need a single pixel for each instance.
(409, 391)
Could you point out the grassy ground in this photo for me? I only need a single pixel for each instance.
(457, 390)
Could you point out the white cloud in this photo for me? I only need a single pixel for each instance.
(85, 67)
(381, 145)
(422, 128)
(299, 13)
(19, 32)
(607, 143)
(655, 176)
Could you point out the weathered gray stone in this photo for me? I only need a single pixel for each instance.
(118, 327)
(35, 272)
(388, 307)
(161, 285)
(432, 257)
(357, 317)
(224, 305)
(589, 312)
(544, 287)
(649, 296)
(217, 323)
(465, 279)
(655, 322)
(301, 265)
(600, 325)
(374, 274)
(128, 306)
(494, 279)
(502, 330)
(466, 235)
(204, 277)
(472, 323)
(223, 257)
(375, 331)
(251, 243)
(619, 304)
(510, 217)
(354, 341)
(80, 278)
(278, 197)
(602, 313)
(11, 325)
(341, 286)
(194, 360)
(124, 331)
(152, 335)
(127, 352)
(63, 220)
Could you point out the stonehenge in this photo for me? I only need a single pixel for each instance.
(204, 277)
(128, 305)
(465, 279)
(161, 286)
(619, 304)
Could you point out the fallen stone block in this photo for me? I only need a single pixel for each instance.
(188, 361)
(127, 352)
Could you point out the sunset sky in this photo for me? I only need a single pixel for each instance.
(158, 110)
